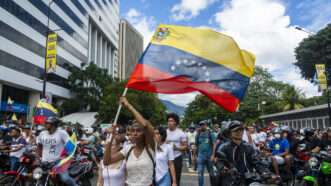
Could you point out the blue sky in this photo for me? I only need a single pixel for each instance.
(265, 27)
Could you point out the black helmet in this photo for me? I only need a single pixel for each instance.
(309, 132)
(52, 120)
(234, 124)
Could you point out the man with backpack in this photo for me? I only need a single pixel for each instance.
(204, 142)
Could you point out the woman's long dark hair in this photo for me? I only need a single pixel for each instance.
(163, 133)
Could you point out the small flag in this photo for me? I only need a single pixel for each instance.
(10, 101)
(67, 154)
(13, 117)
(43, 110)
(183, 59)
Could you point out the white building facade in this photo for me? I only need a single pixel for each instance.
(87, 33)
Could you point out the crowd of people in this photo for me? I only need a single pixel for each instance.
(146, 154)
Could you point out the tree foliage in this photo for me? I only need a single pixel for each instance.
(146, 103)
(88, 86)
(316, 49)
(264, 95)
(292, 98)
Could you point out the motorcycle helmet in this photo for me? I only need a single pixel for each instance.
(89, 130)
(234, 125)
(52, 120)
(309, 132)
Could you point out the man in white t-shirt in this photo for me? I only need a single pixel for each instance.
(50, 144)
(177, 139)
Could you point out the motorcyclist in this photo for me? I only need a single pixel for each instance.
(313, 144)
(17, 148)
(238, 154)
(50, 144)
(280, 152)
(89, 140)
(326, 143)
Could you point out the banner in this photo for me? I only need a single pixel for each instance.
(320, 70)
(51, 52)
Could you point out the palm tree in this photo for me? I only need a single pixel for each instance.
(292, 98)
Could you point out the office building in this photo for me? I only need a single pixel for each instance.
(131, 47)
(87, 33)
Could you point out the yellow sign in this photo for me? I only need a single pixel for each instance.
(51, 52)
(320, 70)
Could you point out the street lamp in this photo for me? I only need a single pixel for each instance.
(47, 32)
(326, 74)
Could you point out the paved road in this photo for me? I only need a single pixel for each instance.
(191, 179)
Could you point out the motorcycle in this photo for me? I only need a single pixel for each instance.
(230, 176)
(81, 169)
(319, 169)
(23, 174)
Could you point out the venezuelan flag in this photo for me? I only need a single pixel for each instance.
(43, 110)
(67, 154)
(183, 59)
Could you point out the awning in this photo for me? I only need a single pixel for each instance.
(87, 119)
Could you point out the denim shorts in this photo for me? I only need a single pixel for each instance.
(165, 181)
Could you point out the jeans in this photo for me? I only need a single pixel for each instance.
(202, 161)
(67, 179)
(178, 163)
(14, 163)
(165, 181)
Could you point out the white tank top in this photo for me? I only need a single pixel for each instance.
(113, 177)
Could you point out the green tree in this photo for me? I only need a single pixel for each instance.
(147, 103)
(262, 89)
(88, 86)
(292, 98)
(316, 49)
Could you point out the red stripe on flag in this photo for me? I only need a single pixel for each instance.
(149, 79)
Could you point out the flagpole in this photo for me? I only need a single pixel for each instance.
(120, 107)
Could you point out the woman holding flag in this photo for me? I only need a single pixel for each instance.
(140, 157)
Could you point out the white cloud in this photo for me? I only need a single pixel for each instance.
(144, 24)
(188, 9)
(263, 28)
(179, 99)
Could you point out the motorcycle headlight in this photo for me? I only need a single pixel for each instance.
(313, 162)
(37, 173)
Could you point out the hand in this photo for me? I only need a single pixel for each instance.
(212, 158)
(124, 101)
(174, 146)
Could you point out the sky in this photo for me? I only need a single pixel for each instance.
(263, 27)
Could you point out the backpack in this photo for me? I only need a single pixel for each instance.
(210, 141)
(150, 156)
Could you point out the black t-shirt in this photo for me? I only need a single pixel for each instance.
(326, 144)
(310, 144)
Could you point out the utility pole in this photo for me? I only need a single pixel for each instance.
(45, 65)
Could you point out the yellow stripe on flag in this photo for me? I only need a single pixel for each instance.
(43, 105)
(207, 44)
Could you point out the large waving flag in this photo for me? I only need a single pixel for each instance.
(43, 110)
(184, 59)
(66, 155)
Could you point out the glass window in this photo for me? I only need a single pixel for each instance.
(314, 123)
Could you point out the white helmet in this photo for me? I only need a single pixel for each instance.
(89, 130)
